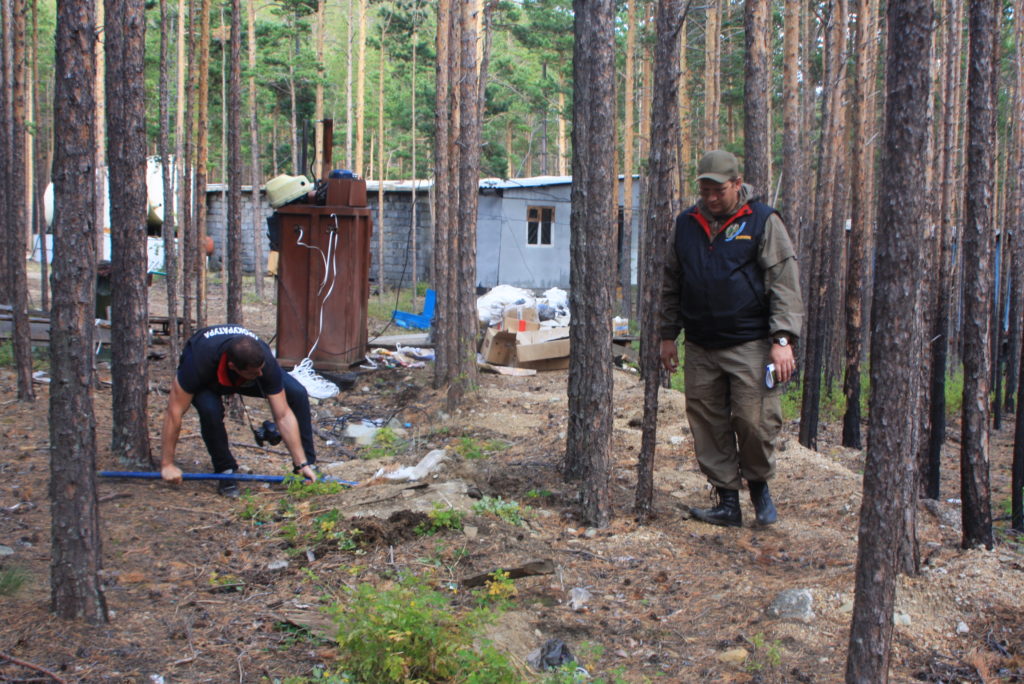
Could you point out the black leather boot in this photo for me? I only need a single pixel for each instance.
(764, 507)
(726, 513)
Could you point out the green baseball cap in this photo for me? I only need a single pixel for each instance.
(718, 166)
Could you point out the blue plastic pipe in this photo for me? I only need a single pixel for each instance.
(148, 475)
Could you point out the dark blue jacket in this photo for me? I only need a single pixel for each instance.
(722, 300)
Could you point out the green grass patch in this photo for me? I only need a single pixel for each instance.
(473, 449)
(12, 578)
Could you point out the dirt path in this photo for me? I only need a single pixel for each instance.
(195, 597)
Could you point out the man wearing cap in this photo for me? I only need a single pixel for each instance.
(732, 285)
(228, 359)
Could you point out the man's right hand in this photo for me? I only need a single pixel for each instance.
(171, 473)
(669, 355)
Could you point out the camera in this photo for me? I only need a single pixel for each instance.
(267, 432)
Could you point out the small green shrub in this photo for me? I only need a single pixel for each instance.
(410, 633)
(539, 493)
(509, 511)
(765, 656)
(440, 518)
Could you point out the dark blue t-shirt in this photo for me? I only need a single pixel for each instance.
(204, 354)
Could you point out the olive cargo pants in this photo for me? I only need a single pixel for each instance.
(733, 416)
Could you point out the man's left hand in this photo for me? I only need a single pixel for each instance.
(785, 363)
(308, 473)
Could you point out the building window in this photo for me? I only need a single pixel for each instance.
(538, 225)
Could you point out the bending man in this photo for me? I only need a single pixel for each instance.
(220, 361)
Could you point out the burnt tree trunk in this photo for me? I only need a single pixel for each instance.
(234, 232)
(757, 168)
(897, 342)
(592, 257)
(126, 125)
(974, 440)
(75, 588)
(662, 205)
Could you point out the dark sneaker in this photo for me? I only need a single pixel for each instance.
(228, 488)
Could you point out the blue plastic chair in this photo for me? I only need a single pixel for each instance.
(404, 319)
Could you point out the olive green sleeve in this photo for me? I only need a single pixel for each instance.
(781, 279)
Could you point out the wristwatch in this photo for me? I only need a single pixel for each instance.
(781, 340)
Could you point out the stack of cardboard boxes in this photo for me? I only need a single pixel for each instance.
(519, 341)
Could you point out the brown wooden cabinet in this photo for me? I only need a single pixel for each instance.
(323, 278)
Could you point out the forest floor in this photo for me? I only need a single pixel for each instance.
(205, 589)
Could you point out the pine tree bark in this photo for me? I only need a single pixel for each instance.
(16, 209)
(464, 358)
(75, 588)
(361, 88)
(974, 452)
(792, 147)
(592, 249)
(254, 149)
(897, 342)
(1017, 471)
(202, 155)
(6, 138)
(712, 74)
(757, 168)
(827, 226)
(626, 254)
(234, 246)
(861, 218)
(169, 227)
(442, 195)
(187, 180)
(125, 39)
(661, 208)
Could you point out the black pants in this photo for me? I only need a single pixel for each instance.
(210, 406)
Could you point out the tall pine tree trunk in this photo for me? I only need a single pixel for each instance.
(76, 556)
(464, 264)
(169, 227)
(442, 194)
(897, 342)
(974, 450)
(202, 155)
(625, 253)
(17, 210)
(126, 123)
(254, 150)
(861, 219)
(712, 74)
(234, 232)
(757, 167)
(662, 205)
(592, 249)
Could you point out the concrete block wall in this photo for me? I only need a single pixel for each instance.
(217, 222)
(397, 229)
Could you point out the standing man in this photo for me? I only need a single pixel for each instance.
(228, 359)
(732, 284)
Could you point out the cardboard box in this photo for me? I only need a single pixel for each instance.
(520, 319)
(543, 349)
(541, 345)
(499, 347)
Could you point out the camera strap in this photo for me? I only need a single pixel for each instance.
(246, 412)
